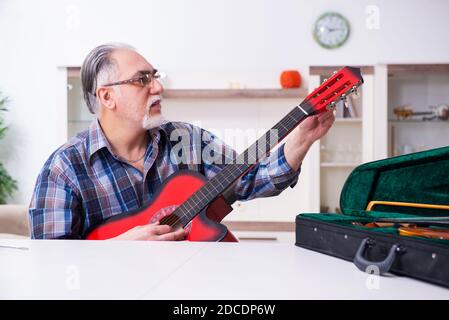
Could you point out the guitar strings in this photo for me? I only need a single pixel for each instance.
(287, 123)
(173, 218)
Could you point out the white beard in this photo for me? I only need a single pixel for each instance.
(151, 122)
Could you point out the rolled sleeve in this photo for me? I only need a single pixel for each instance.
(280, 172)
(267, 178)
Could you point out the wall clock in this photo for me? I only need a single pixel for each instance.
(331, 30)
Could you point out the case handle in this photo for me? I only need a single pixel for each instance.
(383, 266)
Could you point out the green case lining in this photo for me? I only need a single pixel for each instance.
(421, 177)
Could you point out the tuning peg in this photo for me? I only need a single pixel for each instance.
(334, 72)
(324, 80)
(331, 106)
(343, 97)
(354, 89)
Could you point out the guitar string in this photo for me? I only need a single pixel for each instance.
(288, 123)
(187, 204)
(176, 218)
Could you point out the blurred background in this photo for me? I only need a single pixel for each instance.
(223, 60)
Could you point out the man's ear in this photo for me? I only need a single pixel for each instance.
(106, 97)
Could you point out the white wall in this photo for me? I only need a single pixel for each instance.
(199, 43)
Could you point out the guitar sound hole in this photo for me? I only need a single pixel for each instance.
(163, 215)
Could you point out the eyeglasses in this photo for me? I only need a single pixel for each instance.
(143, 80)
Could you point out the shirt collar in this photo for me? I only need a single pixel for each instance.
(98, 141)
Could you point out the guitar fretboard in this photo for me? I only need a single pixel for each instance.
(232, 171)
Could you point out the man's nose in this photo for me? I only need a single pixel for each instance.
(156, 87)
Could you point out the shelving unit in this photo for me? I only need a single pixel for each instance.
(347, 144)
(374, 134)
(233, 93)
(416, 86)
(79, 117)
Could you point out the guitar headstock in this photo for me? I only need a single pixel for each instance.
(342, 83)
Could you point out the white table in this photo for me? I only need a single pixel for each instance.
(186, 270)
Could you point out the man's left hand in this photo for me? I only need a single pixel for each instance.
(303, 136)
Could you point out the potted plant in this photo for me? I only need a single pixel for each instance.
(7, 184)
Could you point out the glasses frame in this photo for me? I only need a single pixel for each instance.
(145, 79)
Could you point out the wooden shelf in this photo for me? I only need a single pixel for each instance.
(300, 93)
(417, 69)
(233, 93)
(73, 72)
(327, 70)
(418, 121)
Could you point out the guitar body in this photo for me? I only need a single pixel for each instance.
(176, 189)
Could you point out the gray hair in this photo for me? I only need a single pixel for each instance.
(98, 68)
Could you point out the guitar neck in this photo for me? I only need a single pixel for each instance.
(244, 162)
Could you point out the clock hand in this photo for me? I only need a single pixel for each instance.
(333, 29)
(330, 29)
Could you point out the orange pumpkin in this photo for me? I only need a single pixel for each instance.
(290, 79)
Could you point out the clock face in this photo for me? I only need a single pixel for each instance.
(331, 30)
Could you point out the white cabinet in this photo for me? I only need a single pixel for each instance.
(414, 92)
(348, 143)
(379, 132)
(78, 116)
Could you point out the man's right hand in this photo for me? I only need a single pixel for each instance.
(153, 231)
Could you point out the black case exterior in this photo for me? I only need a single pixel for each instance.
(420, 177)
(415, 258)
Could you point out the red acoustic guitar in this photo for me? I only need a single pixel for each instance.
(187, 199)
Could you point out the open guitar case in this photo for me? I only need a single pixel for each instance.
(417, 178)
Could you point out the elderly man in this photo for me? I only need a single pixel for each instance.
(123, 158)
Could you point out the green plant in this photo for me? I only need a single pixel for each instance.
(7, 184)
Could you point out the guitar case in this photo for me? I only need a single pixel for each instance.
(402, 182)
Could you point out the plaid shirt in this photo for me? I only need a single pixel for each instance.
(84, 183)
